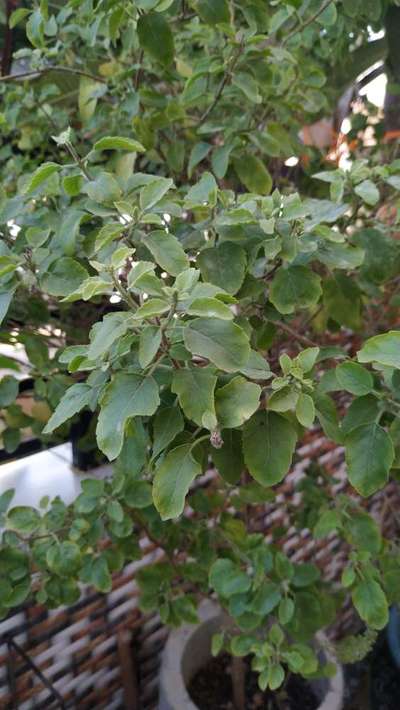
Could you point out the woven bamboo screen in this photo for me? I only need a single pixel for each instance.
(94, 652)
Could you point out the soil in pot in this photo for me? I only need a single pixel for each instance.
(211, 689)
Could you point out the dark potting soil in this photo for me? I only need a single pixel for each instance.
(211, 689)
(374, 683)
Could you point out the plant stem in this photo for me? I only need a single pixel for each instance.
(46, 70)
(227, 75)
(74, 154)
(238, 683)
(295, 334)
(310, 20)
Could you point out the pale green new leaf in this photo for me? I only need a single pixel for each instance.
(40, 175)
(119, 143)
(305, 410)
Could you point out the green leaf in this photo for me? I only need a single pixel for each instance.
(64, 276)
(203, 193)
(329, 521)
(286, 610)
(295, 287)
(172, 481)
(253, 174)
(269, 441)
(229, 458)
(363, 410)
(119, 143)
(198, 153)
(369, 457)
(18, 15)
(154, 191)
(222, 342)
(115, 511)
(220, 160)
(87, 102)
(384, 349)
(195, 389)
(5, 499)
(342, 301)
(363, 532)
(23, 519)
(153, 307)
(149, 344)
(276, 676)
(368, 192)
(307, 358)
(266, 598)
(328, 417)
(224, 265)
(104, 188)
(245, 82)
(8, 390)
(305, 410)
(167, 424)
(227, 578)
(156, 38)
(210, 308)
(72, 184)
(371, 604)
(213, 11)
(283, 400)
(236, 402)
(354, 378)
(74, 400)
(64, 558)
(305, 574)
(104, 333)
(41, 175)
(167, 252)
(100, 576)
(5, 301)
(126, 396)
(256, 367)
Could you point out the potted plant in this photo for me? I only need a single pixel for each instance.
(243, 317)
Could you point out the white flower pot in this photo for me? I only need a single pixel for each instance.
(188, 649)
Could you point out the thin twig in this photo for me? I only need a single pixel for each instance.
(310, 20)
(227, 75)
(295, 334)
(46, 70)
